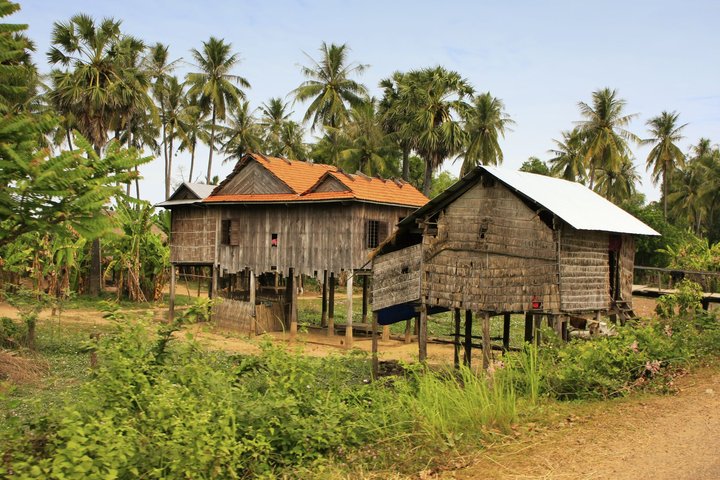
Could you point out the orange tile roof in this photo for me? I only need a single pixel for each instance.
(304, 177)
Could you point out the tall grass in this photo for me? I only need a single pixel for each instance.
(447, 406)
(527, 363)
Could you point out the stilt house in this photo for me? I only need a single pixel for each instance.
(499, 242)
(273, 220)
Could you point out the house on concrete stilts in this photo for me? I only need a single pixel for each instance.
(502, 242)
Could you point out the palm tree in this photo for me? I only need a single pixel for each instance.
(685, 196)
(618, 185)
(175, 103)
(242, 134)
(484, 121)
(436, 97)
(569, 159)
(603, 131)
(395, 116)
(194, 125)
(369, 146)
(86, 86)
(665, 154)
(274, 116)
(330, 87)
(217, 89)
(292, 144)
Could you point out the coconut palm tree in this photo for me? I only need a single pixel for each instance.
(395, 116)
(242, 134)
(274, 116)
(665, 154)
(569, 159)
(370, 148)
(436, 97)
(195, 128)
(330, 87)
(604, 133)
(617, 185)
(485, 121)
(216, 88)
(175, 103)
(292, 144)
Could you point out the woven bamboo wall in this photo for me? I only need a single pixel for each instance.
(396, 277)
(584, 270)
(237, 316)
(193, 234)
(311, 237)
(627, 266)
(491, 253)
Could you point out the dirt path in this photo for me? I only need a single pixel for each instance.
(658, 438)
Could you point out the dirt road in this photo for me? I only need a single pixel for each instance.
(667, 437)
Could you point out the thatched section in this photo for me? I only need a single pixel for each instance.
(193, 235)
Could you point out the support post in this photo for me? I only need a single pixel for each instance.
(408, 330)
(564, 328)
(365, 300)
(324, 306)
(331, 306)
(537, 320)
(375, 362)
(422, 333)
(386, 333)
(253, 296)
(456, 356)
(171, 305)
(214, 281)
(349, 319)
(468, 338)
(528, 327)
(506, 332)
(486, 346)
(292, 286)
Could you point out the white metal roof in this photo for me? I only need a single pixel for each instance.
(200, 190)
(574, 203)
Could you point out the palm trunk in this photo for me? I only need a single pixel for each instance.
(169, 178)
(212, 145)
(167, 165)
(69, 139)
(406, 163)
(427, 182)
(665, 188)
(192, 160)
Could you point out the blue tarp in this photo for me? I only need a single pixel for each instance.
(403, 311)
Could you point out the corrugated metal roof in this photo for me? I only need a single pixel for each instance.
(200, 190)
(574, 203)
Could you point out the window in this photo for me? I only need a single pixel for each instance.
(375, 233)
(225, 232)
(274, 240)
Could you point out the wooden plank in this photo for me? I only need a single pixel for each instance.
(375, 363)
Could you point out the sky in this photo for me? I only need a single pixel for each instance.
(540, 57)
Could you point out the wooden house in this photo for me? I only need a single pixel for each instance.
(272, 221)
(500, 242)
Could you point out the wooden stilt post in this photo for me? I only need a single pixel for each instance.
(252, 297)
(468, 338)
(537, 321)
(528, 327)
(375, 362)
(408, 330)
(486, 346)
(349, 319)
(506, 332)
(386, 333)
(331, 306)
(171, 305)
(422, 333)
(323, 307)
(212, 291)
(291, 285)
(364, 298)
(564, 328)
(456, 356)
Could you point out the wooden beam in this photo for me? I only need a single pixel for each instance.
(375, 362)
(386, 333)
(171, 305)
(408, 330)
(486, 346)
(529, 327)
(365, 298)
(506, 332)
(324, 305)
(253, 297)
(331, 306)
(349, 318)
(537, 325)
(468, 338)
(456, 355)
(291, 285)
(422, 333)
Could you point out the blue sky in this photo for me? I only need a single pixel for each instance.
(541, 58)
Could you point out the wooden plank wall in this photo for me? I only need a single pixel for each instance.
(584, 270)
(254, 178)
(311, 237)
(396, 277)
(491, 253)
(193, 234)
(627, 267)
(233, 315)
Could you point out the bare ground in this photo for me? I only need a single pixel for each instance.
(654, 437)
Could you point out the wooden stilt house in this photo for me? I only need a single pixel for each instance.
(273, 221)
(500, 242)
